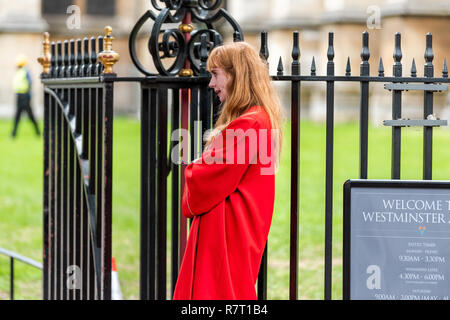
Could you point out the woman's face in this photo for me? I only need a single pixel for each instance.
(219, 81)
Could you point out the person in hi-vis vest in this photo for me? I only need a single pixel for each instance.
(22, 89)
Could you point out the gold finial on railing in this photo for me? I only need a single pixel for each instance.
(186, 28)
(47, 56)
(186, 73)
(108, 57)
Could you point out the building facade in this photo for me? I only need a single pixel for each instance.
(22, 23)
(348, 19)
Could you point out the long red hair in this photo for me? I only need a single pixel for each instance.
(249, 85)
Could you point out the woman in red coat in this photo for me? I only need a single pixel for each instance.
(229, 191)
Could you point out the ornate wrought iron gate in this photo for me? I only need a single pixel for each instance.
(78, 120)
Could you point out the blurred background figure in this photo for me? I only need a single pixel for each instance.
(22, 89)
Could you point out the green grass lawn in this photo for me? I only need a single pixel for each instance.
(21, 201)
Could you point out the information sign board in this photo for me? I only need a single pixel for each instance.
(396, 240)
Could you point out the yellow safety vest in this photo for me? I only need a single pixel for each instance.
(20, 81)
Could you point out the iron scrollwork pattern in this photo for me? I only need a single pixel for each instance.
(170, 45)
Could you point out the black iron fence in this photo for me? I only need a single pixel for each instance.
(397, 84)
(78, 146)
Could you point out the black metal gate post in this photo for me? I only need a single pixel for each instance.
(329, 171)
(295, 169)
(428, 112)
(396, 110)
(78, 124)
(364, 107)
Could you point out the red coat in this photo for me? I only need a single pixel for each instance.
(231, 204)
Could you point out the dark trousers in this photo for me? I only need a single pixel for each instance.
(23, 105)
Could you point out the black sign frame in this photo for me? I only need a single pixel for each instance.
(361, 183)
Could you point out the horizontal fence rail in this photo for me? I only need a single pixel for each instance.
(15, 256)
